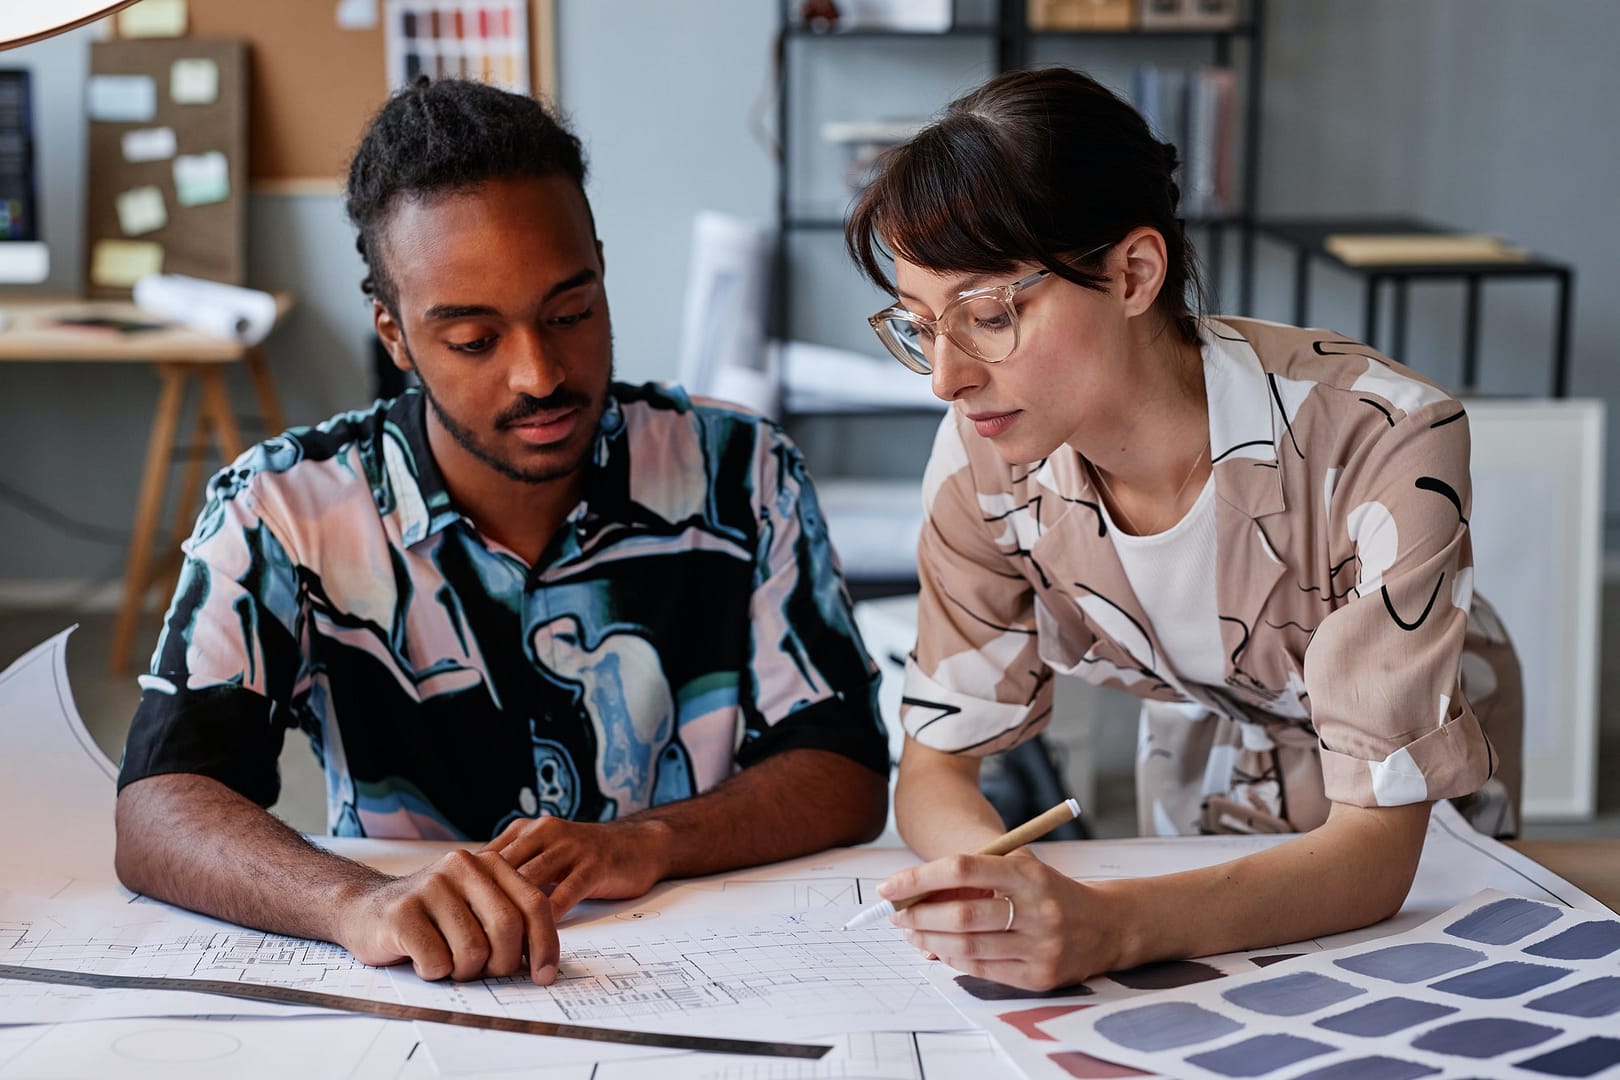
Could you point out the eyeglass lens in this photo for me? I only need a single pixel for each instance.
(984, 326)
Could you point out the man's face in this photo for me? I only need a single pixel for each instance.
(503, 316)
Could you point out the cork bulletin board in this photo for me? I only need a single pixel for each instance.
(316, 83)
(167, 172)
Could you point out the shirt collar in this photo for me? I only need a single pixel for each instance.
(421, 504)
(1242, 421)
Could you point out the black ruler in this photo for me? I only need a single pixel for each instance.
(392, 1010)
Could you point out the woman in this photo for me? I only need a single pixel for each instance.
(1259, 530)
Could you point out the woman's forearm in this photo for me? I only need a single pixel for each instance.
(938, 806)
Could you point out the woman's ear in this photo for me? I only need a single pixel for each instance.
(1146, 262)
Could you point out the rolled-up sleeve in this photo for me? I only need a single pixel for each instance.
(975, 684)
(1383, 671)
(216, 700)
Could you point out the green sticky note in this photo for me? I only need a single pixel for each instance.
(201, 178)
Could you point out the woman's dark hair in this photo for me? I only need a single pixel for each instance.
(1033, 166)
(439, 137)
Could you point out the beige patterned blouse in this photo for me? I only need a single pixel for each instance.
(1361, 665)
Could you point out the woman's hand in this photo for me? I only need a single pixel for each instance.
(1009, 918)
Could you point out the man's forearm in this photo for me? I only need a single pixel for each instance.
(795, 803)
(191, 841)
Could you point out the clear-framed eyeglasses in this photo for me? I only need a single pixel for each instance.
(981, 322)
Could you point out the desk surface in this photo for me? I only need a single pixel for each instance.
(31, 332)
(1593, 866)
(1311, 234)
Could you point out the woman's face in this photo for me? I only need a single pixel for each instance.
(1070, 371)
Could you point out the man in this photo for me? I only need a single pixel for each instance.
(597, 623)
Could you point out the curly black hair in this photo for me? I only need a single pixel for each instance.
(439, 136)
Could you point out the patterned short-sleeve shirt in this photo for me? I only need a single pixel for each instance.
(687, 620)
(1360, 665)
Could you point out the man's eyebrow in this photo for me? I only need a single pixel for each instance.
(450, 312)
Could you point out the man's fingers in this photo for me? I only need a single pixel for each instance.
(539, 931)
(494, 894)
(569, 891)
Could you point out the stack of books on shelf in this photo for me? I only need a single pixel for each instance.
(1196, 109)
(1132, 14)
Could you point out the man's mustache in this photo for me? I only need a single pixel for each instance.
(526, 406)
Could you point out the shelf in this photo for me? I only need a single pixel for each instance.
(970, 30)
(832, 224)
(1191, 33)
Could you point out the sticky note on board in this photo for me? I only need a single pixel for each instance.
(121, 98)
(153, 19)
(356, 14)
(120, 264)
(194, 81)
(149, 144)
(141, 210)
(201, 178)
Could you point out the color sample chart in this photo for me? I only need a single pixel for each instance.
(487, 40)
(1497, 986)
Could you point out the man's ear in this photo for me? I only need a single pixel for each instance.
(1146, 263)
(393, 337)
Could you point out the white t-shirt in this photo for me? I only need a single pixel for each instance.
(1171, 573)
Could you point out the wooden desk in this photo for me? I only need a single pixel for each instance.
(1590, 865)
(1308, 238)
(180, 357)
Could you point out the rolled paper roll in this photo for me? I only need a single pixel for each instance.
(209, 307)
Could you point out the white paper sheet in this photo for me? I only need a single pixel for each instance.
(56, 786)
(192, 1049)
(147, 939)
(1495, 982)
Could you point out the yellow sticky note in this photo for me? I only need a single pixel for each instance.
(119, 264)
(153, 19)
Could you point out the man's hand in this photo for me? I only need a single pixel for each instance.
(466, 916)
(577, 861)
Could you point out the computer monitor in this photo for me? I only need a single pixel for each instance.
(24, 258)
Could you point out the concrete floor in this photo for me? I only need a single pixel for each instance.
(107, 703)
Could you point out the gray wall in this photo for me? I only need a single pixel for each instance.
(1485, 114)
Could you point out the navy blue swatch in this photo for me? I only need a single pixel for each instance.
(1165, 1026)
(1411, 963)
(1259, 1055)
(1587, 941)
(1483, 1038)
(1585, 1058)
(1507, 979)
(1292, 995)
(1503, 921)
(1599, 997)
(1385, 1016)
(1371, 1068)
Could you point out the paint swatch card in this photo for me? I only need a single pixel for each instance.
(149, 144)
(486, 40)
(1500, 985)
(141, 210)
(194, 81)
(201, 178)
(119, 264)
(120, 98)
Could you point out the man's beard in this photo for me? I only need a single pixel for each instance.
(525, 406)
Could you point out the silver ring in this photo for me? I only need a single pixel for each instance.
(1010, 913)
